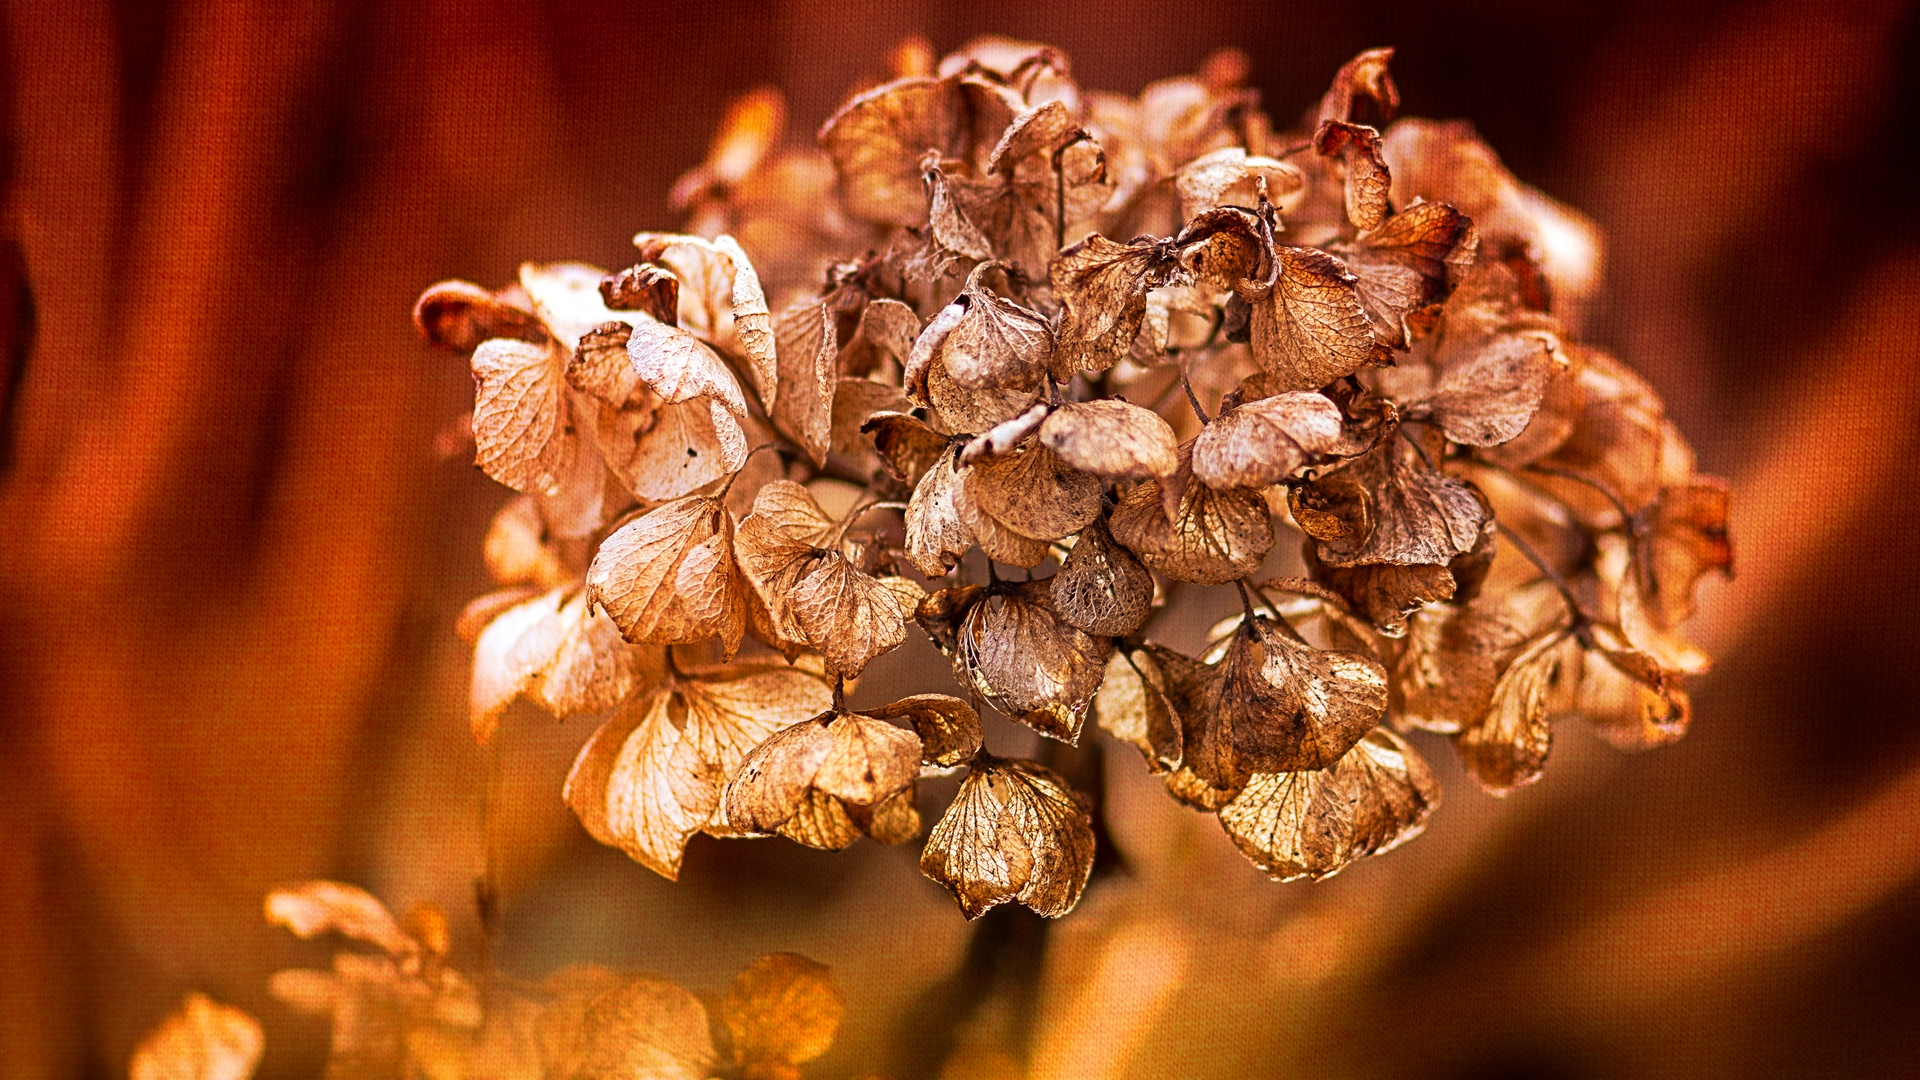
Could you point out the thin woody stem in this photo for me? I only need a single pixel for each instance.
(1619, 504)
(1580, 616)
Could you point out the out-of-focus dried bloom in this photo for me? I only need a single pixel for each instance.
(1017, 321)
(201, 1040)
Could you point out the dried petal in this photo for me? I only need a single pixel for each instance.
(1411, 261)
(1366, 169)
(1276, 704)
(1034, 493)
(651, 776)
(1310, 328)
(853, 761)
(1388, 506)
(1213, 538)
(815, 596)
(1141, 699)
(642, 1027)
(522, 424)
(1101, 286)
(1489, 396)
(459, 315)
(809, 358)
(1311, 824)
(668, 576)
(1263, 442)
(1113, 439)
(1507, 749)
(312, 908)
(937, 537)
(721, 300)
(949, 729)
(1017, 652)
(1016, 831)
(906, 444)
(878, 139)
(1102, 588)
(1364, 76)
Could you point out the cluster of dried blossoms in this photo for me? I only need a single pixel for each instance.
(400, 1010)
(1119, 337)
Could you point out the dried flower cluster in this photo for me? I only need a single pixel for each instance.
(400, 1010)
(1130, 346)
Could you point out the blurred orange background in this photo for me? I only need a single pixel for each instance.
(234, 543)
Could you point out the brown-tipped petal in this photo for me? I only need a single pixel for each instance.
(459, 315)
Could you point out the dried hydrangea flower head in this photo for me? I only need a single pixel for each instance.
(1137, 347)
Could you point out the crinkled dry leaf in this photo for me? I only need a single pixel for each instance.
(1410, 261)
(1213, 538)
(1385, 593)
(1273, 703)
(1262, 442)
(782, 1010)
(1367, 179)
(854, 761)
(1102, 588)
(201, 1040)
(1311, 824)
(1045, 176)
(1113, 439)
(949, 729)
(720, 300)
(651, 776)
(1018, 653)
(459, 315)
(809, 371)
(1016, 831)
(1101, 286)
(668, 576)
(814, 596)
(1141, 700)
(1389, 507)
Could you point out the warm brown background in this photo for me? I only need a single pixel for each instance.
(231, 552)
